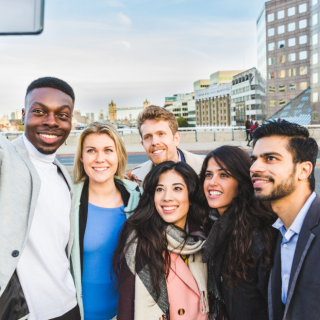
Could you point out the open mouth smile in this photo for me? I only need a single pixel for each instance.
(257, 183)
(169, 209)
(157, 152)
(213, 194)
(49, 138)
(100, 169)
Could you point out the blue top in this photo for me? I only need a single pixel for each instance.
(100, 300)
(289, 243)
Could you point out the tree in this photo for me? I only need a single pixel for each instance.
(182, 122)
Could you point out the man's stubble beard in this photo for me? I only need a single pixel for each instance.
(280, 191)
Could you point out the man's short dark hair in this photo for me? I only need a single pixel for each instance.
(54, 83)
(301, 145)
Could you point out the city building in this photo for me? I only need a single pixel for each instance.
(201, 84)
(213, 105)
(146, 104)
(112, 112)
(222, 77)
(297, 111)
(16, 115)
(284, 35)
(247, 92)
(90, 116)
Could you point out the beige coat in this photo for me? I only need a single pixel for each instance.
(193, 160)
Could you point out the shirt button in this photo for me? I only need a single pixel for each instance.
(15, 253)
(285, 245)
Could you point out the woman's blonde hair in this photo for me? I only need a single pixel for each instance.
(79, 173)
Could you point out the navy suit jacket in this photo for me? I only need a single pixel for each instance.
(303, 300)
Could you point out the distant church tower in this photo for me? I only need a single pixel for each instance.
(112, 112)
(146, 104)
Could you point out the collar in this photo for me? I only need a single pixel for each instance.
(296, 226)
(34, 153)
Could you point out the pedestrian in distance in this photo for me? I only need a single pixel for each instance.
(248, 128)
(160, 138)
(103, 201)
(256, 125)
(239, 247)
(284, 159)
(158, 260)
(36, 200)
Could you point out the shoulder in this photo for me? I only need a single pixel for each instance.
(193, 160)
(142, 170)
(78, 187)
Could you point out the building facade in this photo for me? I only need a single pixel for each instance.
(283, 44)
(222, 77)
(112, 112)
(201, 84)
(247, 98)
(213, 105)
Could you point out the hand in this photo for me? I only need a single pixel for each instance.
(131, 177)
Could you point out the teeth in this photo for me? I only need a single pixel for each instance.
(100, 169)
(215, 193)
(259, 181)
(158, 151)
(50, 136)
(169, 208)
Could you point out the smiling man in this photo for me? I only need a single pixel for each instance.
(35, 278)
(160, 138)
(284, 158)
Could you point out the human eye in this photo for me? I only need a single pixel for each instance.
(208, 175)
(271, 158)
(177, 188)
(64, 115)
(224, 175)
(108, 150)
(90, 151)
(159, 189)
(38, 111)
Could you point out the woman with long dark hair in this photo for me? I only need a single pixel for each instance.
(158, 260)
(239, 248)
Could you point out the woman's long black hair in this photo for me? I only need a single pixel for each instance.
(249, 215)
(148, 227)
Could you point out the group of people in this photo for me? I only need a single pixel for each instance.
(226, 237)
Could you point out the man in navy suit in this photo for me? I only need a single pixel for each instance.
(284, 158)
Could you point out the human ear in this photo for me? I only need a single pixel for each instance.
(305, 170)
(177, 138)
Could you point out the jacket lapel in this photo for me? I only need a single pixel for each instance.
(275, 305)
(179, 267)
(304, 242)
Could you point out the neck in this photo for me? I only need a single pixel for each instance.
(288, 208)
(102, 192)
(176, 156)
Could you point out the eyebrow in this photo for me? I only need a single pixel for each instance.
(267, 154)
(174, 184)
(46, 107)
(104, 147)
(159, 131)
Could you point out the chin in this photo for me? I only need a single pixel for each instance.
(47, 150)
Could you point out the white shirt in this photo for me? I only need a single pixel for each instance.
(43, 268)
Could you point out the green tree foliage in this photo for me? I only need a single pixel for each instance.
(182, 122)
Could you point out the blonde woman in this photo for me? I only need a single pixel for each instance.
(103, 201)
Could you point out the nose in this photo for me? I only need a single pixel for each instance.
(213, 181)
(50, 120)
(100, 157)
(257, 166)
(167, 195)
(155, 140)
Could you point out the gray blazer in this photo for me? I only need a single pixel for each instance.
(19, 191)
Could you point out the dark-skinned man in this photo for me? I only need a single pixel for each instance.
(35, 210)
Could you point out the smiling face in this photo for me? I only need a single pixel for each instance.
(171, 199)
(159, 142)
(47, 118)
(219, 187)
(273, 173)
(99, 157)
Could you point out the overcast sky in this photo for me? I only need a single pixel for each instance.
(127, 51)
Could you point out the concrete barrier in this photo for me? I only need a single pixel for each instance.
(132, 138)
(205, 136)
(188, 137)
(223, 136)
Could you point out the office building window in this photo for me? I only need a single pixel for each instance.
(303, 85)
(280, 29)
(291, 57)
(315, 39)
(314, 19)
(270, 61)
(272, 89)
(303, 39)
(282, 59)
(315, 97)
(303, 71)
(292, 87)
(272, 103)
(282, 88)
(302, 24)
(291, 11)
(270, 17)
(303, 55)
(281, 44)
(271, 46)
(303, 8)
(282, 74)
(270, 32)
(315, 58)
(314, 2)
(280, 14)
(282, 102)
(292, 72)
(292, 26)
(315, 115)
(271, 75)
(291, 42)
(315, 78)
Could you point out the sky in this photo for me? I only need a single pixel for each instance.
(127, 51)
